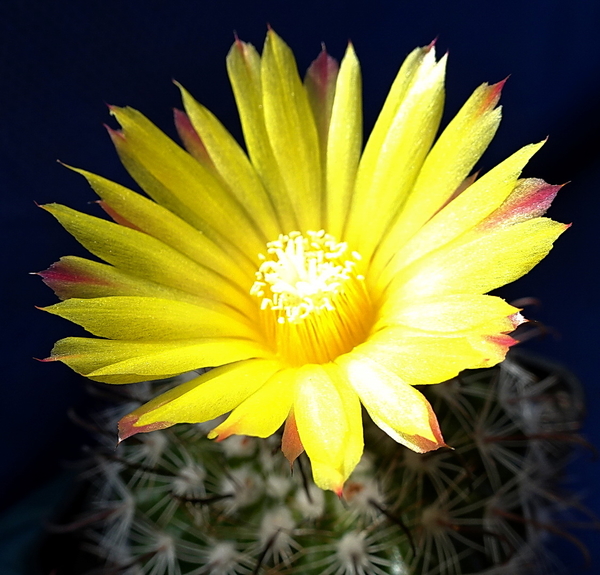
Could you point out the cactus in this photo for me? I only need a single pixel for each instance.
(173, 502)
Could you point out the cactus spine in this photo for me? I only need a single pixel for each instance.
(175, 503)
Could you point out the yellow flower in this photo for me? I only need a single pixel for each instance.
(312, 277)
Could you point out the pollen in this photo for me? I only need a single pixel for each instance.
(313, 296)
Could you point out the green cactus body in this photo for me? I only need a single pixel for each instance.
(173, 502)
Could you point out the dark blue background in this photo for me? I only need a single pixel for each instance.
(61, 61)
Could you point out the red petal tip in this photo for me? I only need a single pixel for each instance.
(498, 86)
(127, 426)
(493, 96)
(46, 359)
(502, 82)
(431, 44)
(224, 435)
(114, 133)
(291, 444)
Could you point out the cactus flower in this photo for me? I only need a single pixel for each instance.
(312, 275)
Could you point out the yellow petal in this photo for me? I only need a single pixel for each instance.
(395, 152)
(463, 213)
(354, 438)
(319, 82)
(329, 424)
(418, 59)
(489, 260)
(397, 408)
(465, 332)
(191, 140)
(529, 199)
(343, 143)
(148, 318)
(449, 162)
(417, 357)
(176, 180)
(170, 229)
(201, 399)
(144, 256)
(263, 413)
(453, 314)
(292, 132)
(130, 361)
(77, 277)
(492, 349)
(244, 69)
(233, 166)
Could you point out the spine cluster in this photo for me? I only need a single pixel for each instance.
(172, 502)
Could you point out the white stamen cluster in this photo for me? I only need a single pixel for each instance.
(302, 274)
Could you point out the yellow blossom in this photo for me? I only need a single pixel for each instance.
(312, 275)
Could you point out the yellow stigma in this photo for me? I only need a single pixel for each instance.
(313, 295)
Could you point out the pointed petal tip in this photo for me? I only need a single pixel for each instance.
(291, 444)
(127, 426)
(321, 59)
(495, 91)
(498, 86)
(517, 319)
(114, 134)
(425, 445)
(179, 115)
(220, 434)
(237, 42)
(69, 167)
(502, 82)
(180, 87)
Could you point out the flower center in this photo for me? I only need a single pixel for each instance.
(314, 297)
